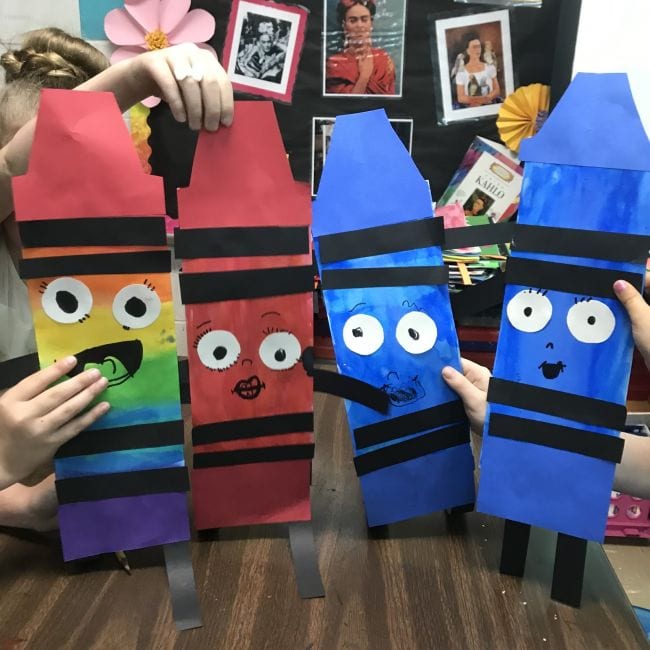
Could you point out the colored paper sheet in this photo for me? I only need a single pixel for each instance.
(573, 342)
(245, 353)
(397, 338)
(117, 320)
(603, 115)
(92, 13)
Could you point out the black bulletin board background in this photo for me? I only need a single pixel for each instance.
(437, 150)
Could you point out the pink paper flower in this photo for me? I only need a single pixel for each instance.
(154, 24)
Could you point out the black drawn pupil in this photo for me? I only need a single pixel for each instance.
(591, 320)
(67, 302)
(414, 334)
(220, 352)
(357, 332)
(528, 311)
(280, 355)
(135, 307)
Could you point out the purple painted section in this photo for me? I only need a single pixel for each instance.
(93, 527)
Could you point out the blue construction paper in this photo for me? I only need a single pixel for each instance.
(595, 124)
(610, 200)
(530, 483)
(92, 13)
(369, 178)
(128, 460)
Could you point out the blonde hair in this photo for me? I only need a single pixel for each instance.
(50, 58)
(47, 58)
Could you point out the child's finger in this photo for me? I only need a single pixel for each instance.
(53, 397)
(64, 413)
(634, 304)
(36, 383)
(466, 390)
(78, 424)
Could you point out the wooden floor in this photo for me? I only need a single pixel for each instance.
(425, 583)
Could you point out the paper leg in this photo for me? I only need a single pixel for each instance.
(514, 548)
(569, 571)
(305, 560)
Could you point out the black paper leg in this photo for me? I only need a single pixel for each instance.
(182, 588)
(514, 548)
(569, 571)
(305, 560)
(457, 510)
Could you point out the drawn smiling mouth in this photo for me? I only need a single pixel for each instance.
(551, 370)
(248, 388)
(118, 362)
(402, 393)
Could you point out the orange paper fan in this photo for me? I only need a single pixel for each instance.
(522, 114)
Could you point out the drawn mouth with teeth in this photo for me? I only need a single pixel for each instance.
(248, 388)
(551, 370)
(118, 362)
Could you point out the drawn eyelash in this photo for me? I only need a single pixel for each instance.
(543, 292)
(42, 287)
(149, 285)
(199, 337)
(84, 318)
(272, 330)
(577, 300)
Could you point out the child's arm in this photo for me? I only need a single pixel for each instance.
(29, 507)
(189, 79)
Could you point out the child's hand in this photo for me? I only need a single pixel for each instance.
(191, 81)
(33, 507)
(35, 420)
(639, 313)
(471, 387)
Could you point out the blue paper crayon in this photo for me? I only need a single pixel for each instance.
(385, 290)
(556, 403)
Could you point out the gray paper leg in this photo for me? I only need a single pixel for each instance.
(305, 560)
(182, 588)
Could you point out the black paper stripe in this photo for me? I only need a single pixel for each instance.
(271, 425)
(403, 276)
(99, 264)
(15, 370)
(569, 569)
(404, 425)
(139, 436)
(554, 402)
(197, 243)
(569, 278)
(122, 484)
(247, 456)
(592, 244)
(182, 586)
(355, 390)
(475, 299)
(243, 285)
(101, 231)
(578, 441)
(367, 242)
(458, 434)
(489, 233)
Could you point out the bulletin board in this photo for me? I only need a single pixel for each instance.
(437, 149)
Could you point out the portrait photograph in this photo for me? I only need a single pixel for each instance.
(363, 48)
(322, 128)
(474, 60)
(263, 46)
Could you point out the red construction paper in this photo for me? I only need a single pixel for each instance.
(256, 493)
(83, 163)
(241, 177)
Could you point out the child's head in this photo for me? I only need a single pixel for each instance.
(47, 58)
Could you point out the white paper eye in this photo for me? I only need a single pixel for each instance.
(363, 334)
(591, 321)
(66, 300)
(136, 306)
(529, 311)
(280, 351)
(218, 349)
(416, 332)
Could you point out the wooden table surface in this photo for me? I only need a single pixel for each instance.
(426, 583)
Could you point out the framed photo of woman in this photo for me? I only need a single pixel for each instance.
(363, 48)
(263, 45)
(474, 64)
